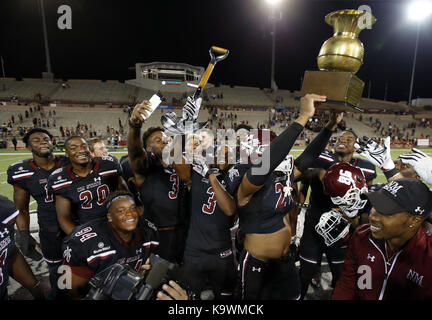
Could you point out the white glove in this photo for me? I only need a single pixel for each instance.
(191, 109)
(200, 166)
(379, 155)
(421, 163)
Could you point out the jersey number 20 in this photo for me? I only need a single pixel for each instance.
(87, 196)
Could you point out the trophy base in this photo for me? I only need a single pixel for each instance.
(342, 89)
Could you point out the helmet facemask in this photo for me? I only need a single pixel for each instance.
(332, 226)
(351, 202)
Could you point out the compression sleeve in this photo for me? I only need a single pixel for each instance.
(276, 152)
(313, 150)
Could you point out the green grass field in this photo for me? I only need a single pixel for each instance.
(7, 157)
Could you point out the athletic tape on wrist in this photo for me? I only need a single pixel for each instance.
(390, 173)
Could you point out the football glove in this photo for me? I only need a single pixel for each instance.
(379, 155)
(200, 166)
(27, 245)
(191, 109)
(421, 163)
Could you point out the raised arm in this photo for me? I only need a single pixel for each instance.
(317, 145)
(136, 152)
(278, 149)
(379, 155)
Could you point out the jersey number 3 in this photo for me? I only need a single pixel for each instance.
(210, 207)
(175, 187)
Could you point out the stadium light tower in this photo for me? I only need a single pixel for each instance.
(417, 11)
(47, 56)
(273, 18)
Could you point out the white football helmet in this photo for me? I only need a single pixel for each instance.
(332, 226)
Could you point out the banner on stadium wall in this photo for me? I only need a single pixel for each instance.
(53, 105)
(423, 142)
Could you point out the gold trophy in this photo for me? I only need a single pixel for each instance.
(339, 59)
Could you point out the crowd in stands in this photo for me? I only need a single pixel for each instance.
(405, 134)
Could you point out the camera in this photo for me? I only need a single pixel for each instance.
(122, 282)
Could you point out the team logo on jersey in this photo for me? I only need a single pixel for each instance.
(20, 168)
(97, 179)
(59, 178)
(256, 269)
(233, 173)
(4, 243)
(4, 233)
(100, 245)
(67, 254)
(371, 258)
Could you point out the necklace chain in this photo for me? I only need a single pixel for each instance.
(388, 261)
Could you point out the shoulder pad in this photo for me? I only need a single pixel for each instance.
(8, 211)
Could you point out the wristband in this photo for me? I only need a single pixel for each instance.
(135, 126)
(390, 173)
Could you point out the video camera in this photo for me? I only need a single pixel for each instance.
(121, 282)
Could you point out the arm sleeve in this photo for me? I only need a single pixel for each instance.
(313, 150)
(276, 152)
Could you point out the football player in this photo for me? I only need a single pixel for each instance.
(312, 245)
(29, 178)
(81, 187)
(347, 188)
(12, 262)
(263, 202)
(208, 253)
(161, 190)
(124, 237)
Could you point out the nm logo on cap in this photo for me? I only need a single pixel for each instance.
(393, 187)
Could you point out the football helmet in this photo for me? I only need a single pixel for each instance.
(257, 141)
(345, 184)
(332, 226)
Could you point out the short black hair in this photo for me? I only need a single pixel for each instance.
(34, 130)
(243, 126)
(148, 133)
(350, 131)
(118, 193)
(72, 137)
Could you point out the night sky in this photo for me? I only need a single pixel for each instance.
(108, 37)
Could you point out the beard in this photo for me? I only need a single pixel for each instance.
(45, 154)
